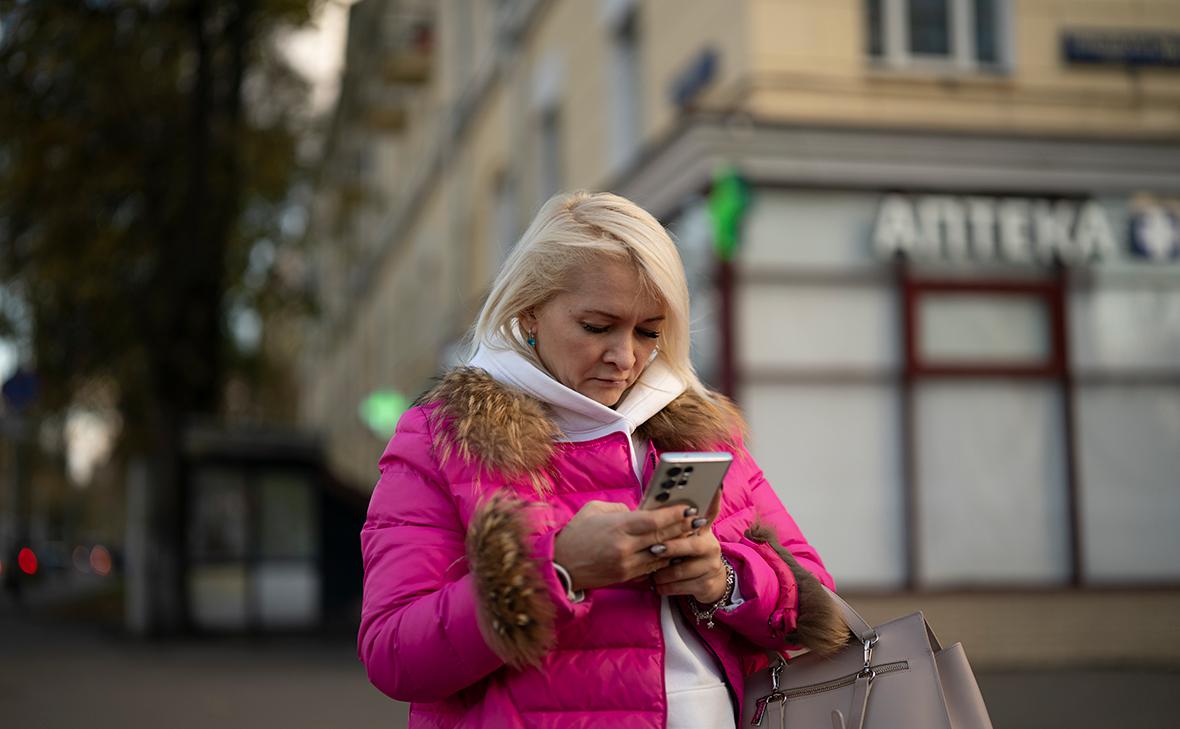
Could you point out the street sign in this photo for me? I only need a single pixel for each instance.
(20, 390)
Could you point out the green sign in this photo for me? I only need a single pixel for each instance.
(728, 201)
(381, 410)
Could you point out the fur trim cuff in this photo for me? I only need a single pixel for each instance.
(516, 615)
(819, 626)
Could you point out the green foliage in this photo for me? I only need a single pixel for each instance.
(146, 147)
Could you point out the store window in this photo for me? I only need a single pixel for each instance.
(963, 328)
(547, 124)
(505, 219)
(1129, 458)
(817, 347)
(990, 455)
(998, 420)
(286, 577)
(967, 328)
(831, 452)
(462, 56)
(991, 488)
(218, 543)
(626, 87)
(549, 172)
(959, 33)
(253, 548)
(1125, 351)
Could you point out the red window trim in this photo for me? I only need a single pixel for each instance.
(1049, 291)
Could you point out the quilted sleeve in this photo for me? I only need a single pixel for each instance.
(445, 604)
(780, 575)
(419, 635)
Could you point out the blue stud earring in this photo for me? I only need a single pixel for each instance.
(532, 340)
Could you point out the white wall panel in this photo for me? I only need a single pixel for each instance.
(809, 229)
(977, 329)
(288, 595)
(818, 326)
(693, 232)
(832, 454)
(217, 596)
(1129, 450)
(991, 483)
(1126, 328)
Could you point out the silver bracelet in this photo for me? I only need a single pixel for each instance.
(563, 576)
(707, 613)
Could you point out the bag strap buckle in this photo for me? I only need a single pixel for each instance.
(868, 644)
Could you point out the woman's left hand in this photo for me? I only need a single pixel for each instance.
(697, 570)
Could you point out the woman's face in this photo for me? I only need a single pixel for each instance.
(598, 335)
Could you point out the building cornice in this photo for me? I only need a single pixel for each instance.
(777, 154)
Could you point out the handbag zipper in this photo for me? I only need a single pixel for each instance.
(835, 683)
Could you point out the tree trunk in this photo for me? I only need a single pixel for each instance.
(155, 604)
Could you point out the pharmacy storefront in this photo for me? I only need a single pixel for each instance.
(962, 374)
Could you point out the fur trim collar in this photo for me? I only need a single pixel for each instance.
(484, 422)
(504, 430)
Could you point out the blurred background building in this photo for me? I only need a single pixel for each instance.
(952, 314)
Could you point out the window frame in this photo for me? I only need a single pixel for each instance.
(1053, 291)
(963, 55)
(550, 150)
(1047, 292)
(626, 83)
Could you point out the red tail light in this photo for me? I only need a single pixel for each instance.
(27, 559)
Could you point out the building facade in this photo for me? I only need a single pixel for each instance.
(953, 319)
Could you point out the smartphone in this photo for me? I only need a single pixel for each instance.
(691, 479)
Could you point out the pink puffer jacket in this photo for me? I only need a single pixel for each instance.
(463, 614)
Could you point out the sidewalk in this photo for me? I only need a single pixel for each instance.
(62, 676)
(57, 675)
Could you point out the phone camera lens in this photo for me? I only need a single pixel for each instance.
(662, 496)
(674, 471)
(668, 484)
(687, 470)
(683, 481)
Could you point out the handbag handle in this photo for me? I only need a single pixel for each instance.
(858, 625)
(861, 628)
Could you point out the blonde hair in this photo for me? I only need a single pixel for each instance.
(575, 230)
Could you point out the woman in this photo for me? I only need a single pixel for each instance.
(508, 579)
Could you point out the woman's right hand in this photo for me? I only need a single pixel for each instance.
(606, 543)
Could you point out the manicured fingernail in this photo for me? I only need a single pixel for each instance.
(699, 522)
(657, 549)
(690, 511)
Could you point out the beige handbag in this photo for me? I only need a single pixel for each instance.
(897, 676)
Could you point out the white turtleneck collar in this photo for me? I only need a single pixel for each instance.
(579, 417)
